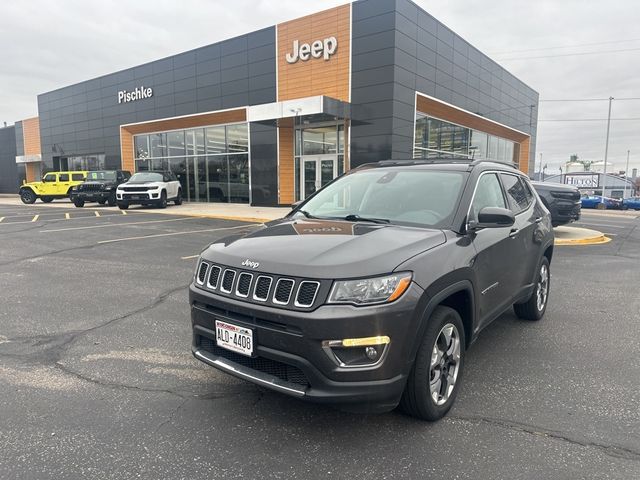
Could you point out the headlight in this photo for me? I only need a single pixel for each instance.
(107, 187)
(368, 291)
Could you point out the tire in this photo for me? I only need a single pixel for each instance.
(111, 201)
(46, 199)
(162, 203)
(123, 205)
(426, 396)
(101, 202)
(78, 202)
(27, 196)
(178, 200)
(535, 306)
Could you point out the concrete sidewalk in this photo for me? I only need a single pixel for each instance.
(578, 236)
(226, 211)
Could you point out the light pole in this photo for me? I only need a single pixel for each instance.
(626, 176)
(540, 170)
(606, 152)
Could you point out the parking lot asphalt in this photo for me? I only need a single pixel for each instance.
(97, 378)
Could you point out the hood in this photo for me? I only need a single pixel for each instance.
(323, 249)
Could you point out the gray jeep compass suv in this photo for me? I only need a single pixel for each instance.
(369, 292)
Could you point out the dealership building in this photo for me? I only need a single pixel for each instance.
(268, 117)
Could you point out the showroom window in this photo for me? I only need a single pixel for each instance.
(212, 163)
(437, 138)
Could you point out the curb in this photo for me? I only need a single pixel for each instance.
(600, 239)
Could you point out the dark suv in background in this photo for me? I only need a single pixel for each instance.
(99, 186)
(563, 201)
(369, 292)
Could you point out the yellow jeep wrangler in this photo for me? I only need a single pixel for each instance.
(53, 185)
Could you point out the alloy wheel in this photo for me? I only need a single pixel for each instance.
(542, 288)
(445, 364)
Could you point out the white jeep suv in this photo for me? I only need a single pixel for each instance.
(149, 188)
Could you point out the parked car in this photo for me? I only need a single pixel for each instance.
(100, 186)
(595, 201)
(149, 188)
(369, 292)
(631, 202)
(563, 201)
(53, 185)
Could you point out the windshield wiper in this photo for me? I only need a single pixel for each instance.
(357, 218)
(306, 214)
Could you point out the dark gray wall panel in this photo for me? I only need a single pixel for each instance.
(9, 181)
(264, 164)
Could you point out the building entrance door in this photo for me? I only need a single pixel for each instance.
(317, 171)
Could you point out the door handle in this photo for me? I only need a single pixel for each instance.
(514, 232)
(538, 219)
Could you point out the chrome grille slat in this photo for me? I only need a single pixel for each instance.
(227, 280)
(262, 288)
(284, 288)
(202, 273)
(214, 277)
(306, 289)
(243, 287)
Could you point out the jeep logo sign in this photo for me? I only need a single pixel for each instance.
(138, 94)
(320, 48)
(250, 264)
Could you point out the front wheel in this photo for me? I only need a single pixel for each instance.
(27, 196)
(111, 201)
(123, 205)
(162, 203)
(533, 309)
(434, 380)
(78, 202)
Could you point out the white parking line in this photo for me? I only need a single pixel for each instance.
(189, 257)
(35, 218)
(144, 237)
(118, 224)
(67, 216)
(1, 218)
(97, 213)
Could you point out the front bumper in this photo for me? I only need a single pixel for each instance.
(289, 356)
(92, 196)
(141, 198)
(565, 212)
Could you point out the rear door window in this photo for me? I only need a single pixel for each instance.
(517, 194)
(63, 177)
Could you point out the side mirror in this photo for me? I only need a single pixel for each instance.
(492, 217)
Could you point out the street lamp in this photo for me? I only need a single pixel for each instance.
(626, 176)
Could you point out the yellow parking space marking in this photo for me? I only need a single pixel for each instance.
(97, 213)
(144, 237)
(35, 218)
(67, 216)
(118, 224)
(123, 212)
(189, 257)
(1, 218)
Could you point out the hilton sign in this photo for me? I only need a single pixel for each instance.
(319, 48)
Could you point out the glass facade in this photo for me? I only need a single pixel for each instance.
(211, 163)
(319, 156)
(438, 138)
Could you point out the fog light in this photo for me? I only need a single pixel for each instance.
(371, 353)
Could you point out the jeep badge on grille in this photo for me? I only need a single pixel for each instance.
(249, 263)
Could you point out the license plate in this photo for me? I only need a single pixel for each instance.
(234, 338)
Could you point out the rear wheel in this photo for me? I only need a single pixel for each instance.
(101, 202)
(162, 203)
(78, 202)
(123, 205)
(534, 308)
(434, 380)
(178, 200)
(27, 196)
(46, 199)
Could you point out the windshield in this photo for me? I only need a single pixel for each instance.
(106, 175)
(146, 177)
(412, 196)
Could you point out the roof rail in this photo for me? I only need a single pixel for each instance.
(428, 161)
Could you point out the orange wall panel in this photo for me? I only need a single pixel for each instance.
(31, 136)
(315, 76)
(286, 174)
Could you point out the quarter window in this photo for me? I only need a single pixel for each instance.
(488, 194)
(516, 193)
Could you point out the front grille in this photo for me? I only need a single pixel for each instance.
(144, 196)
(244, 284)
(135, 189)
(214, 275)
(263, 285)
(306, 293)
(91, 187)
(283, 290)
(202, 272)
(249, 286)
(285, 372)
(227, 281)
(566, 195)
